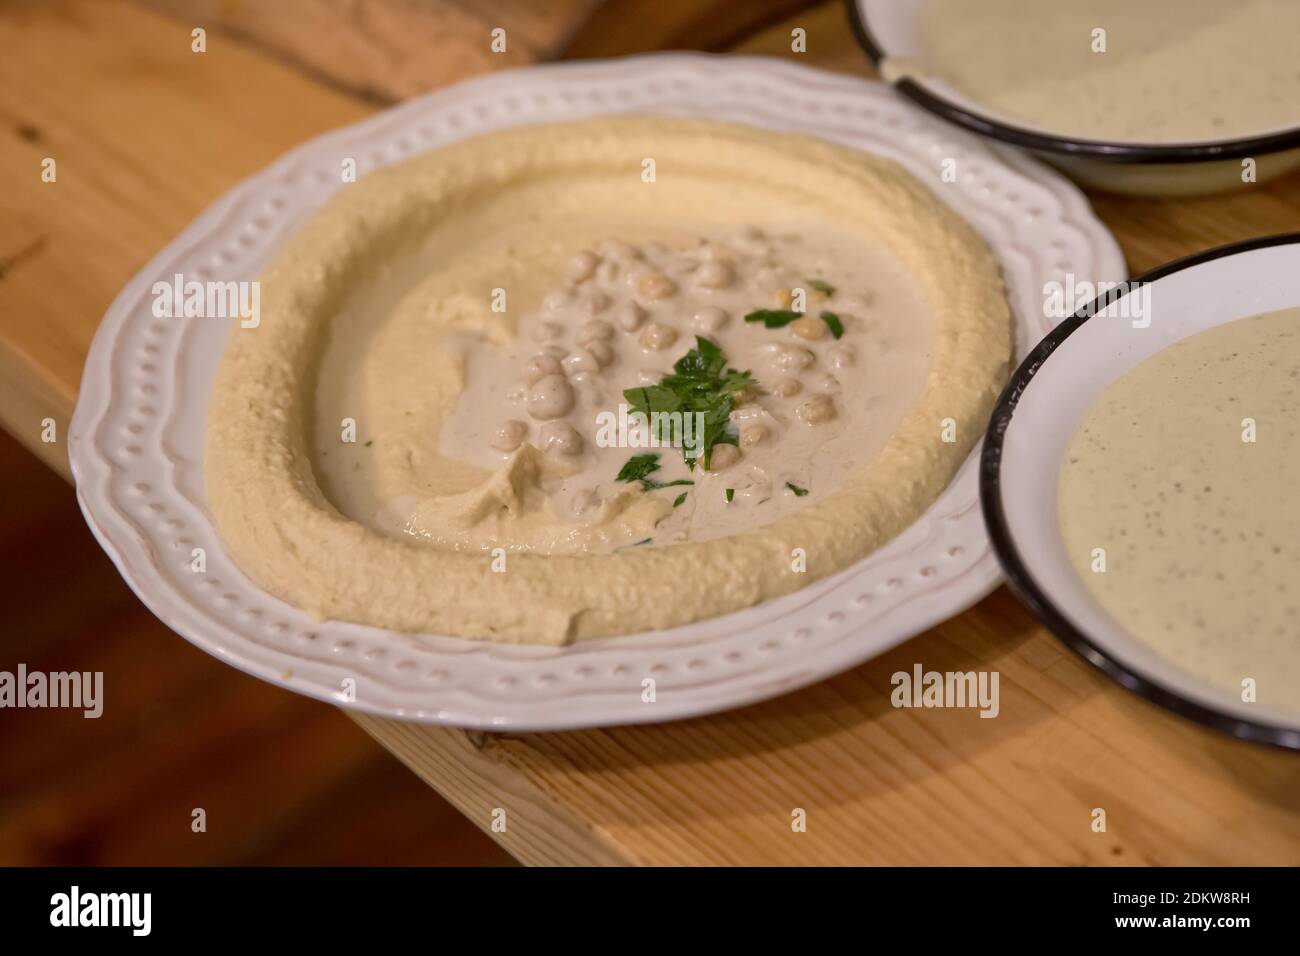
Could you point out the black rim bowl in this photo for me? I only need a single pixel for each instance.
(1064, 145)
(1020, 578)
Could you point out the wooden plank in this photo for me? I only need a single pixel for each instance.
(145, 134)
(395, 49)
(879, 785)
(617, 27)
(391, 50)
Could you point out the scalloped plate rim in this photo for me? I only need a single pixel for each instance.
(917, 612)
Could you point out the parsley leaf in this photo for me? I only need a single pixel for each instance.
(700, 384)
(640, 467)
(799, 492)
(833, 323)
(773, 318)
(731, 493)
(822, 286)
(680, 498)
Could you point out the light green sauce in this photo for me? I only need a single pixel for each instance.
(1199, 523)
(1172, 70)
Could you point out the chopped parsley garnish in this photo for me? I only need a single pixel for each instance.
(833, 323)
(773, 318)
(640, 467)
(780, 318)
(680, 498)
(822, 286)
(799, 492)
(701, 383)
(731, 493)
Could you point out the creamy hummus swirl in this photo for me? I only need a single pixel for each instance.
(365, 312)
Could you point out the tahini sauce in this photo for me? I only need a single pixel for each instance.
(1172, 70)
(1200, 524)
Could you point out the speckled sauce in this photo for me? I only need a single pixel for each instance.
(1172, 70)
(1200, 524)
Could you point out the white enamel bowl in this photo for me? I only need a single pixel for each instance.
(891, 28)
(1044, 403)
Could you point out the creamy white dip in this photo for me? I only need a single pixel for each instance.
(358, 456)
(821, 406)
(1172, 70)
(1184, 474)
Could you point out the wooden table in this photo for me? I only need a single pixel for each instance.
(146, 133)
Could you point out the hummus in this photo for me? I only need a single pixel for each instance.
(435, 427)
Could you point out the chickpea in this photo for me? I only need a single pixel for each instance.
(715, 274)
(743, 396)
(580, 360)
(828, 384)
(561, 438)
(595, 329)
(509, 435)
(592, 302)
(541, 365)
(784, 298)
(786, 387)
(630, 317)
(655, 285)
(790, 358)
(591, 357)
(602, 352)
(710, 318)
(658, 336)
(581, 267)
(841, 356)
(551, 397)
(809, 327)
(753, 435)
(723, 456)
(608, 271)
(818, 410)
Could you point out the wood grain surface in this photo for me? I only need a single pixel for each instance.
(146, 133)
(282, 780)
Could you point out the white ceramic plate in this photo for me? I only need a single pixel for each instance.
(1045, 401)
(892, 28)
(136, 440)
